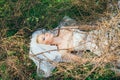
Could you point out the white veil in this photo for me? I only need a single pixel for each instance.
(42, 58)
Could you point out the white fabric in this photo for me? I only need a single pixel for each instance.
(79, 39)
(87, 41)
(42, 60)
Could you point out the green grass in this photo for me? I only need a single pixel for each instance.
(19, 18)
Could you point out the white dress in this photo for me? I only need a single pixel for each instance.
(87, 41)
(45, 61)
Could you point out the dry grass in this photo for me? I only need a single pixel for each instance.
(16, 65)
(102, 65)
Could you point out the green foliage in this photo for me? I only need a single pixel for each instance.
(3, 68)
(100, 73)
(105, 75)
(11, 32)
(15, 15)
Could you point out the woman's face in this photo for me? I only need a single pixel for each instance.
(46, 38)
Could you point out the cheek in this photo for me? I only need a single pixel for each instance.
(39, 41)
(48, 41)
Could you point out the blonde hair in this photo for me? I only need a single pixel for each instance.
(44, 67)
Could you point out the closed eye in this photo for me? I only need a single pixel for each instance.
(43, 38)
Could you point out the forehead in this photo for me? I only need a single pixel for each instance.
(40, 38)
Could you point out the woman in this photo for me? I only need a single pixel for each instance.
(43, 60)
(47, 48)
